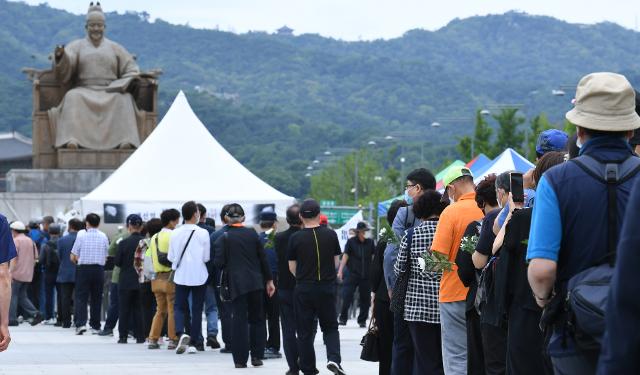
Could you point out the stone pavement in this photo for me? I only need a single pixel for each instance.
(51, 350)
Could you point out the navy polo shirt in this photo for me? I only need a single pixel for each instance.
(7, 246)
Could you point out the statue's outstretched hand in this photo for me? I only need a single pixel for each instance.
(59, 51)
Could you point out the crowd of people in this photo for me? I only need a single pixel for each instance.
(508, 274)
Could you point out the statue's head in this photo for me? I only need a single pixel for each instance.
(95, 23)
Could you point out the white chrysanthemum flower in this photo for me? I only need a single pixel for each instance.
(421, 263)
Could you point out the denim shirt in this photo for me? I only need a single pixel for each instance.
(404, 220)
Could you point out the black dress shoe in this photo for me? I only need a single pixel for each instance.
(213, 343)
(256, 362)
(199, 347)
(122, 340)
(241, 365)
(226, 350)
(58, 324)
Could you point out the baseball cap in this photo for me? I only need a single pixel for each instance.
(324, 220)
(454, 174)
(267, 214)
(134, 220)
(18, 226)
(551, 140)
(605, 102)
(309, 209)
(234, 211)
(362, 227)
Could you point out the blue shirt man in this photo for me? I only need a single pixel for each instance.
(569, 229)
(7, 246)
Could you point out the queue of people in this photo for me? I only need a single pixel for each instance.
(508, 274)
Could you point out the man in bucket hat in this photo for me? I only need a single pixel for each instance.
(357, 256)
(573, 228)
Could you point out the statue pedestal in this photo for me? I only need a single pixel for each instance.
(55, 180)
(33, 193)
(85, 159)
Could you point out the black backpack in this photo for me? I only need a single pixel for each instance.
(52, 257)
(588, 291)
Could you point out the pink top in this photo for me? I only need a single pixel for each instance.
(22, 266)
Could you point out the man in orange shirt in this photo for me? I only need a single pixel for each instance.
(451, 227)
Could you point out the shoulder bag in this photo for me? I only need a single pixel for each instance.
(402, 282)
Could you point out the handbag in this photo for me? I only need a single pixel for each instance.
(163, 258)
(370, 343)
(173, 272)
(224, 287)
(402, 282)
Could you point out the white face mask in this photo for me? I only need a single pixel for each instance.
(451, 201)
(579, 143)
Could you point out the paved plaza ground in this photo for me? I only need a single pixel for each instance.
(51, 350)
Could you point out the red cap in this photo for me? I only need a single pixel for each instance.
(324, 220)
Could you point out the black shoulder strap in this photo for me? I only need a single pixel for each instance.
(612, 174)
(185, 249)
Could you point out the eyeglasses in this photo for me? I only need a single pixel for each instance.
(407, 187)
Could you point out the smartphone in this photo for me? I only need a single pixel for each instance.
(517, 187)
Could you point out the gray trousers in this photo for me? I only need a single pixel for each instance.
(19, 298)
(454, 337)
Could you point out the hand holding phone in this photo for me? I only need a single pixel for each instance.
(517, 187)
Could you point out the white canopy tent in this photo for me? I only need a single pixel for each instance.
(181, 161)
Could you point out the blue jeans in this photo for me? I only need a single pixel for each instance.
(181, 306)
(211, 311)
(114, 307)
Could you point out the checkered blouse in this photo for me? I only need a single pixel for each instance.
(421, 302)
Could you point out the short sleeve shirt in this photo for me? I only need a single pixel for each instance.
(314, 250)
(485, 241)
(7, 246)
(451, 227)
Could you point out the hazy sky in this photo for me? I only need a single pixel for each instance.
(355, 19)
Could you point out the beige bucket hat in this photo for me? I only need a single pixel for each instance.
(606, 102)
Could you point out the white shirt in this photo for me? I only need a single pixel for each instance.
(192, 270)
(91, 247)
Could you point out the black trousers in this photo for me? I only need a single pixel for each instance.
(475, 353)
(66, 303)
(272, 310)
(89, 284)
(50, 291)
(224, 315)
(248, 315)
(384, 321)
(348, 290)
(526, 353)
(33, 291)
(403, 359)
(289, 339)
(427, 347)
(130, 306)
(148, 305)
(494, 344)
(316, 301)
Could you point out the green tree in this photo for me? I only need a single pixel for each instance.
(337, 180)
(481, 139)
(508, 133)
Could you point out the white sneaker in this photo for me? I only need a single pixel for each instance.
(192, 350)
(81, 330)
(183, 344)
(49, 322)
(94, 331)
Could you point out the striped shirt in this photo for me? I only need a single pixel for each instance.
(91, 247)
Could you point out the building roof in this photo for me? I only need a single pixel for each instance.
(14, 145)
(285, 30)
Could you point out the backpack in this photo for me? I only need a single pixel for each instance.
(52, 257)
(588, 290)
